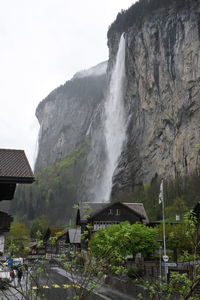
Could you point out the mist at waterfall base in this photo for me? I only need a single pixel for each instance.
(115, 122)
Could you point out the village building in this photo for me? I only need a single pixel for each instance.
(100, 215)
(47, 246)
(69, 241)
(14, 169)
(56, 241)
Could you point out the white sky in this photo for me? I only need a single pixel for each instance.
(43, 43)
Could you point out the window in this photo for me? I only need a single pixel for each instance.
(110, 211)
(118, 212)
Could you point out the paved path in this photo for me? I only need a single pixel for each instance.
(57, 284)
(15, 291)
(102, 291)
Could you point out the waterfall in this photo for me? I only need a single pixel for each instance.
(115, 120)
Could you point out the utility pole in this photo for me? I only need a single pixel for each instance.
(161, 200)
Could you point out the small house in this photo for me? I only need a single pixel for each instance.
(69, 240)
(100, 215)
(14, 169)
(56, 241)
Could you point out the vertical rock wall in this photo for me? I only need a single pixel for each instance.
(65, 117)
(162, 97)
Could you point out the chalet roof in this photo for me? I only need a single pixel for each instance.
(139, 208)
(92, 208)
(74, 235)
(14, 167)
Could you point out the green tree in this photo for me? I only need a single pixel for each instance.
(124, 239)
(177, 208)
(180, 287)
(184, 236)
(40, 224)
(17, 239)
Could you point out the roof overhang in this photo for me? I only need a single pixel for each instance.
(15, 180)
(97, 208)
(14, 169)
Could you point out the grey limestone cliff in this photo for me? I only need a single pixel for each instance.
(67, 114)
(162, 102)
(162, 97)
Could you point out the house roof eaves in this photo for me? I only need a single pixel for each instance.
(107, 205)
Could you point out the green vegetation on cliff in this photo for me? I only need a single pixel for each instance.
(54, 192)
(142, 9)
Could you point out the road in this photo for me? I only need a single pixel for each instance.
(55, 284)
(60, 287)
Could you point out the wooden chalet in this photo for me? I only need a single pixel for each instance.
(14, 169)
(74, 239)
(65, 241)
(69, 240)
(101, 215)
(48, 245)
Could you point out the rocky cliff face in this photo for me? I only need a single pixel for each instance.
(66, 115)
(162, 97)
(162, 102)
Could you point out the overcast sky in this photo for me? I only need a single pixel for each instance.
(42, 44)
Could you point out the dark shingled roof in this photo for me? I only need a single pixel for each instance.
(14, 167)
(94, 208)
(139, 208)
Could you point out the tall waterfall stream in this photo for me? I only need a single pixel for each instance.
(115, 121)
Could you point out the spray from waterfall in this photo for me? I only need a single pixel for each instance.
(37, 142)
(115, 120)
